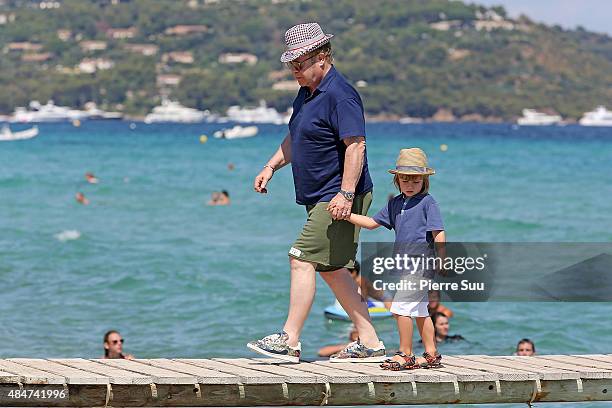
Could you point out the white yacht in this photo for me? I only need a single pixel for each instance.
(599, 117)
(7, 135)
(47, 113)
(237, 132)
(532, 117)
(95, 113)
(173, 111)
(260, 114)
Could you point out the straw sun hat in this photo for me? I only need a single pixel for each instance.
(412, 162)
(303, 38)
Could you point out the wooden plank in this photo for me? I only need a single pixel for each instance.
(545, 373)
(334, 374)
(466, 374)
(8, 378)
(246, 375)
(604, 358)
(159, 375)
(584, 372)
(116, 375)
(29, 375)
(505, 373)
(377, 374)
(291, 375)
(581, 361)
(203, 375)
(72, 375)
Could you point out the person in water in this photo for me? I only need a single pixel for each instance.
(91, 178)
(113, 346)
(435, 306)
(219, 198)
(525, 347)
(442, 327)
(80, 198)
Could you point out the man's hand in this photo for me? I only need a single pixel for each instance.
(339, 207)
(262, 179)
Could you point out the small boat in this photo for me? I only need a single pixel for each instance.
(532, 117)
(237, 132)
(6, 135)
(173, 112)
(599, 117)
(376, 309)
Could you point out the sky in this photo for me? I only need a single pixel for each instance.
(593, 15)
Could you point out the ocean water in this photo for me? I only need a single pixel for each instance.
(179, 278)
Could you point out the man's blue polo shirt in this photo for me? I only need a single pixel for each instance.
(319, 122)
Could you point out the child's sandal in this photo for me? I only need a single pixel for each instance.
(408, 364)
(432, 361)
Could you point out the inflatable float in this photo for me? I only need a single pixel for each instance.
(377, 311)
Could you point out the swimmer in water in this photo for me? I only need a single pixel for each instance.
(91, 178)
(525, 347)
(80, 197)
(441, 327)
(219, 198)
(113, 346)
(435, 306)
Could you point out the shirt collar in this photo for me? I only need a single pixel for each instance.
(324, 84)
(417, 196)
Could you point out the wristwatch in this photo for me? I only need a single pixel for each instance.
(348, 195)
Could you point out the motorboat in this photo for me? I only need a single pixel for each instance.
(532, 117)
(259, 114)
(236, 132)
(95, 113)
(47, 113)
(173, 111)
(7, 135)
(598, 117)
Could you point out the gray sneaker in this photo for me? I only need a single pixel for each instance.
(275, 345)
(356, 352)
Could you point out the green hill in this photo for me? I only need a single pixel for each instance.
(411, 57)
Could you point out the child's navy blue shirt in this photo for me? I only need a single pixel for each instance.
(411, 218)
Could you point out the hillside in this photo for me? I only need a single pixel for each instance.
(409, 58)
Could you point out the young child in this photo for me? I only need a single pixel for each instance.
(415, 217)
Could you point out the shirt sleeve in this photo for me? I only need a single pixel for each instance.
(348, 118)
(383, 218)
(434, 218)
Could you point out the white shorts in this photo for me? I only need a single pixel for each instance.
(410, 309)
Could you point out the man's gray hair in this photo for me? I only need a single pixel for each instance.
(327, 50)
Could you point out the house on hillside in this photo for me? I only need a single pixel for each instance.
(64, 34)
(168, 80)
(144, 49)
(238, 58)
(6, 18)
(23, 46)
(180, 30)
(91, 65)
(91, 46)
(121, 33)
(36, 57)
(181, 57)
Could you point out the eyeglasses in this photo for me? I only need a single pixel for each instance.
(117, 341)
(298, 65)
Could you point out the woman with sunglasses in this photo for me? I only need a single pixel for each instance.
(113, 346)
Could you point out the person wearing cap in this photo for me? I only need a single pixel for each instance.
(326, 149)
(415, 217)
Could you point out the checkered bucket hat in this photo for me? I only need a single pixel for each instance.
(303, 38)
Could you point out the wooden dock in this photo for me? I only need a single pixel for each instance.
(76, 382)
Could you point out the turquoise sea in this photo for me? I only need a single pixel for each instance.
(181, 279)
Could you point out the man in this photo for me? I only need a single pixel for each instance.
(326, 148)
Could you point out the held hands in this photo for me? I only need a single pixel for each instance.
(262, 179)
(339, 207)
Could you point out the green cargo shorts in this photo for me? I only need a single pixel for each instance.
(328, 243)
